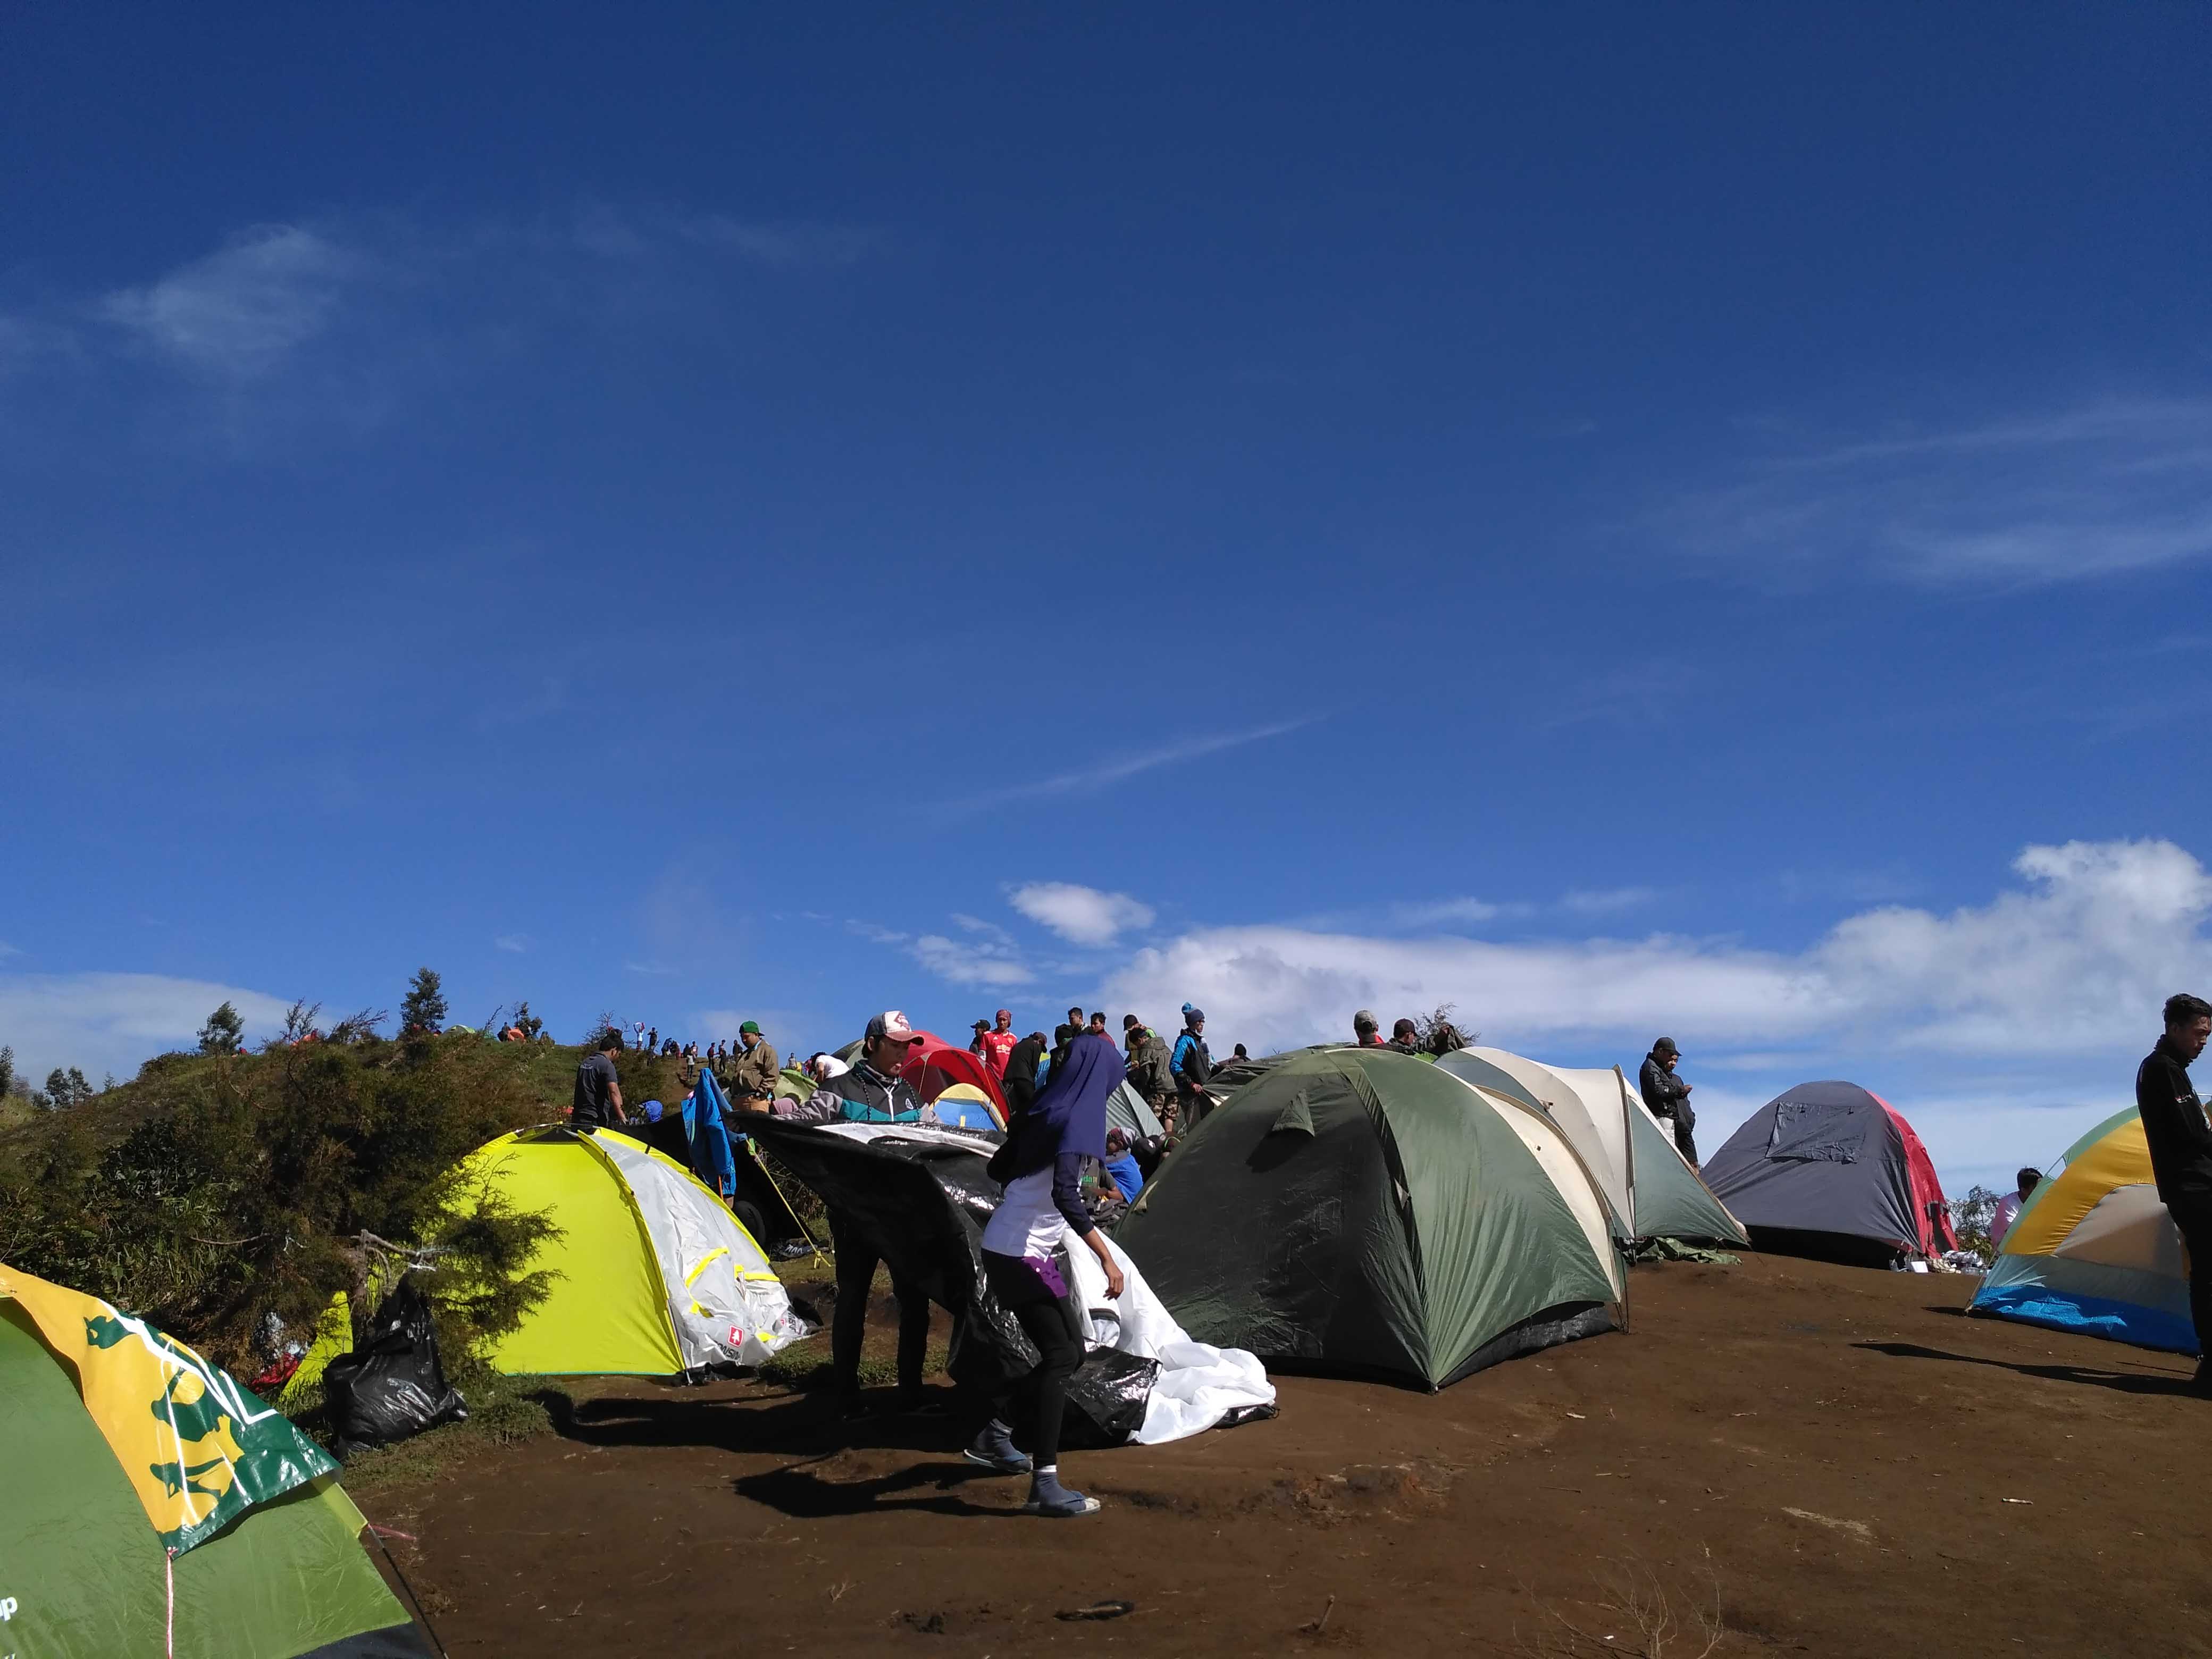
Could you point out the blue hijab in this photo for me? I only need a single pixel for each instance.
(1069, 1113)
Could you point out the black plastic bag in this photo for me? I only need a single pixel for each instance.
(1106, 1399)
(391, 1387)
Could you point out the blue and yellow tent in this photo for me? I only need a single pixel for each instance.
(2094, 1251)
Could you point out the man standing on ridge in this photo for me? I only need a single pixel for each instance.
(1405, 1037)
(1668, 1097)
(999, 1043)
(598, 1101)
(1366, 1029)
(2180, 1143)
(1191, 1063)
(752, 1072)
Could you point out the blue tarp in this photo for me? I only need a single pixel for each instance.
(712, 1160)
(2090, 1316)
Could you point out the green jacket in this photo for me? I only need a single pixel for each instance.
(753, 1071)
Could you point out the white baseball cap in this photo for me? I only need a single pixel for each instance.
(893, 1025)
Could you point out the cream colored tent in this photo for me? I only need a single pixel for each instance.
(1653, 1191)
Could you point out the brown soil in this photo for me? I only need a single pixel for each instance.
(1814, 1459)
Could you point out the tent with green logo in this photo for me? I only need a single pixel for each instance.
(150, 1505)
(1361, 1212)
(1653, 1191)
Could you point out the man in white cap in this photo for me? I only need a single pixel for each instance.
(872, 1091)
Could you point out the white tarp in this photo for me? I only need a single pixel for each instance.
(1198, 1384)
(724, 1298)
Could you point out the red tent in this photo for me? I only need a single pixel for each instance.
(933, 1066)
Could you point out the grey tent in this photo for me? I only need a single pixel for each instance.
(1830, 1170)
(1363, 1213)
(1128, 1109)
(1651, 1188)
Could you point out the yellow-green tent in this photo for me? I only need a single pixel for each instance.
(2094, 1251)
(654, 1276)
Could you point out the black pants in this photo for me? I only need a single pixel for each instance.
(857, 1260)
(1050, 1322)
(2193, 1216)
(1685, 1142)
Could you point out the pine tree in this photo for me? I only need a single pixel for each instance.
(424, 1008)
(7, 1070)
(223, 1034)
(68, 1088)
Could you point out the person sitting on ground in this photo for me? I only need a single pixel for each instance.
(2007, 1211)
(1668, 1097)
(1024, 1063)
(1191, 1063)
(599, 1100)
(1366, 1029)
(872, 1091)
(754, 1072)
(1405, 1037)
(1039, 1166)
(1121, 1165)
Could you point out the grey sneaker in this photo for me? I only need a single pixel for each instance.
(1048, 1497)
(994, 1449)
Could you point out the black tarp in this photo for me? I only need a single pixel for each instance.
(922, 1204)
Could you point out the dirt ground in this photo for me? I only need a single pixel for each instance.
(1802, 1458)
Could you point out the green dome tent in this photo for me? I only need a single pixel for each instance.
(122, 1447)
(1361, 1212)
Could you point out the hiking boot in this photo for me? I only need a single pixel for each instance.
(994, 1449)
(1047, 1497)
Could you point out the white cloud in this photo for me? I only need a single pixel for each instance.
(241, 311)
(114, 1022)
(2116, 485)
(2074, 965)
(1079, 914)
(968, 964)
(517, 942)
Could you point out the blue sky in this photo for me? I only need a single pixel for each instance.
(1628, 522)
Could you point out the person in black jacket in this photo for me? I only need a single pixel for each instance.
(1668, 1097)
(2180, 1143)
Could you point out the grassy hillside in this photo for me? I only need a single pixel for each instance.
(212, 1190)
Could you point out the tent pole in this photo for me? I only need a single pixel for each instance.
(1628, 1178)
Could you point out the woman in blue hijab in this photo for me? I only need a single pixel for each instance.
(1041, 1167)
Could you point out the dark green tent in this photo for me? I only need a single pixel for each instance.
(82, 1574)
(1360, 1211)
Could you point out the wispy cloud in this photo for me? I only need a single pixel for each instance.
(2109, 486)
(517, 942)
(656, 969)
(1608, 900)
(1437, 912)
(969, 963)
(1091, 779)
(1079, 914)
(107, 1022)
(241, 311)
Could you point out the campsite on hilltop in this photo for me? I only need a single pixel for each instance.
(1681, 1450)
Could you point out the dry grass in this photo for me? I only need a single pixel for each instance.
(1647, 1619)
